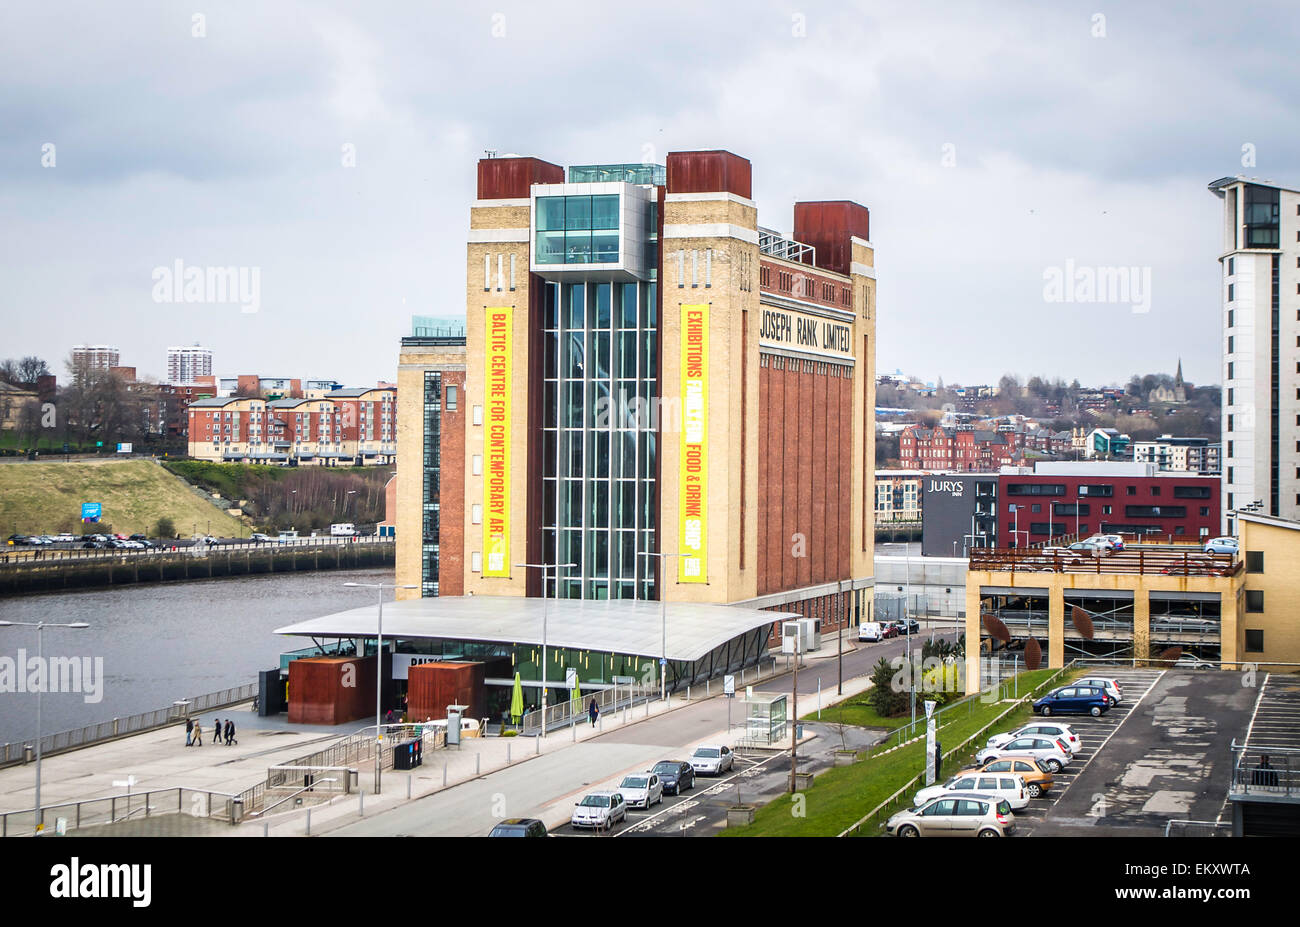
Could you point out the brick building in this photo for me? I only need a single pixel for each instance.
(648, 371)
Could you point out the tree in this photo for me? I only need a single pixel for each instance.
(166, 527)
(886, 698)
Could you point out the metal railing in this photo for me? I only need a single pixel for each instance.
(1265, 771)
(1197, 829)
(11, 753)
(571, 711)
(45, 556)
(1134, 562)
(200, 803)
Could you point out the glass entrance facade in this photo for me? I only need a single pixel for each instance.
(600, 416)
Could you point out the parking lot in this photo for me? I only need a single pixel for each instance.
(1094, 733)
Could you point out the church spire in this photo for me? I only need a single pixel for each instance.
(1178, 377)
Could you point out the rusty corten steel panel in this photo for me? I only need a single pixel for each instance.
(318, 695)
(431, 687)
(709, 172)
(510, 178)
(827, 226)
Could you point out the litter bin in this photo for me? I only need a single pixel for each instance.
(29, 753)
(798, 732)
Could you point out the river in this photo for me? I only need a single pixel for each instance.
(166, 641)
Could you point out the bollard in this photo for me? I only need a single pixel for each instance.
(538, 750)
(308, 822)
(476, 759)
(507, 753)
(573, 732)
(688, 693)
(707, 687)
(647, 708)
(361, 802)
(266, 828)
(408, 787)
(444, 774)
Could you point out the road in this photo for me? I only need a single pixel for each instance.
(546, 787)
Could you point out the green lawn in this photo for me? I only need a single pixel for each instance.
(45, 498)
(840, 796)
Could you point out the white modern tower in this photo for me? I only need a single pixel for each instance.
(1261, 347)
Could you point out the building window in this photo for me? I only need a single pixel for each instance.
(451, 399)
(1130, 490)
(1254, 561)
(476, 464)
(476, 561)
(477, 415)
(476, 514)
(1254, 600)
(1254, 640)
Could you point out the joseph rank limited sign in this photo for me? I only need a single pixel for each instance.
(798, 331)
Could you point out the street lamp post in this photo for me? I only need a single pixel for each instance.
(663, 615)
(544, 567)
(379, 670)
(40, 627)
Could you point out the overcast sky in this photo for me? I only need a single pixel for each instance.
(990, 145)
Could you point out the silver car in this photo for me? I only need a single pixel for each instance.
(641, 790)
(1003, 785)
(712, 759)
(1107, 685)
(1051, 729)
(1044, 749)
(599, 810)
(955, 814)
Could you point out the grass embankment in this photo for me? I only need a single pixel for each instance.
(840, 796)
(304, 498)
(45, 498)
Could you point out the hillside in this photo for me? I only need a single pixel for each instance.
(45, 498)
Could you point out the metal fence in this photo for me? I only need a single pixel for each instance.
(570, 711)
(1265, 771)
(1197, 829)
(35, 556)
(61, 741)
(200, 803)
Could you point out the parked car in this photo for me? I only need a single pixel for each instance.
(676, 775)
(908, 626)
(888, 630)
(1107, 685)
(870, 632)
(600, 810)
(1053, 756)
(959, 814)
(641, 790)
(712, 759)
(1109, 541)
(519, 827)
(1090, 546)
(1038, 778)
(64, 538)
(1053, 729)
(1224, 545)
(138, 537)
(94, 545)
(1074, 699)
(260, 538)
(1004, 785)
(1190, 661)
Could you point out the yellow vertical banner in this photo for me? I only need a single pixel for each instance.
(693, 466)
(496, 477)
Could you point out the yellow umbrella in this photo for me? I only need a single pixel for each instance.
(517, 701)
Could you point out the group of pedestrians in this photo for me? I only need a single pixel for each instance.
(194, 732)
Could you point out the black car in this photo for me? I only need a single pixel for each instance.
(519, 827)
(908, 626)
(676, 775)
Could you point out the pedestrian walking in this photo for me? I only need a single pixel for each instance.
(216, 731)
(189, 731)
(230, 732)
(198, 733)
(593, 711)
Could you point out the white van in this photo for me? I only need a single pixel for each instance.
(345, 530)
(870, 631)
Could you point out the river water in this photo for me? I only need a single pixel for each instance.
(166, 641)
